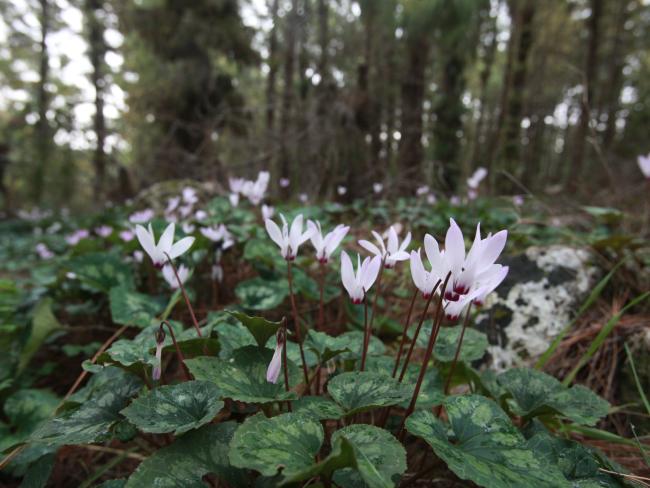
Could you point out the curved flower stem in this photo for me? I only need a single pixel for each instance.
(407, 359)
(285, 365)
(374, 307)
(296, 323)
(427, 356)
(321, 307)
(179, 353)
(185, 297)
(460, 343)
(406, 328)
(366, 333)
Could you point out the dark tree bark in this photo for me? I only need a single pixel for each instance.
(271, 80)
(514, 111)
(288, 92)
(97, 49)
(589, 83)
(43, 100)
(413, 85)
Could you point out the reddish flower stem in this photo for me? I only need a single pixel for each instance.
(296, 323)
(186, 298)
(456, 356)
(366, 333)
(415, 338)
(179, 353)
(427, 356)
(285, 364)
(406, 328)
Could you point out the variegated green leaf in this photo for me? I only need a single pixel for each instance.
(244, 377)
(287, 443)
(380, 458)
(189, 458)
(175, 408)
(360, 391)
(536, 393)
(483, 445)
(260, 328)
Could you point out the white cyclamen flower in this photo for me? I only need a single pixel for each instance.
(267, 211)
(288, 240)
(170, 277)
(189, 195)
(165, 246)
(475, 180)
(644, 165)
(392, 251)
(341, 190)
(275, 366)
(326, 245)
(377, 187)
(357, 285)
(424, 280)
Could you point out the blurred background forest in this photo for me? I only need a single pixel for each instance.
(99, 99)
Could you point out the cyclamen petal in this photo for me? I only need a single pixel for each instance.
(275, 366)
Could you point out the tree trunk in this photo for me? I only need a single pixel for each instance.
(413, 85)
(287, 94)
(589, 83)
(271, 80)
(42, 99)
(514, 112)
(97, 51)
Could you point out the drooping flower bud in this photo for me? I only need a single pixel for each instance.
(160, 340)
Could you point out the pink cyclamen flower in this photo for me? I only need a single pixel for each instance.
(127, 235)
(644, 165)
(158, 251)
(74, 238)
(43, 251)
(392, 251)
(424, 280)
(104, 230)
(326, 245)
(289, 240)
(284, 182)
(517, 200)
(275, 366)
(142, 216)
(357, 285)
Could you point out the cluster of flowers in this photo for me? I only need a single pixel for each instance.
(253, 190)
(469, 276)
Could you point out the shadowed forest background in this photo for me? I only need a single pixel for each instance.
(99, 99)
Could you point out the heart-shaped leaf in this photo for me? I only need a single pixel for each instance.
(485, 447)
(341, 456)
(325, 346)
(360, 391)
(578, 463)
(475, 343)
(244, 377)
(380, 458)
(260, 328)
(431, 390)
(354, 342)
(535, 393)
(318, 407)
(175, 408)
(189, 458)
(133, 308)
(99, 272)
(232, 337)
(93, 419)
(260, 294)
(287, 443)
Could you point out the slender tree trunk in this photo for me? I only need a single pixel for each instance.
(589, 83)
(288, 93)
(271, 80)
(514, 110)
(42, 99)
(486, 71)
(97, 51)
(413, 86)
(495, 137)
(614, 85)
